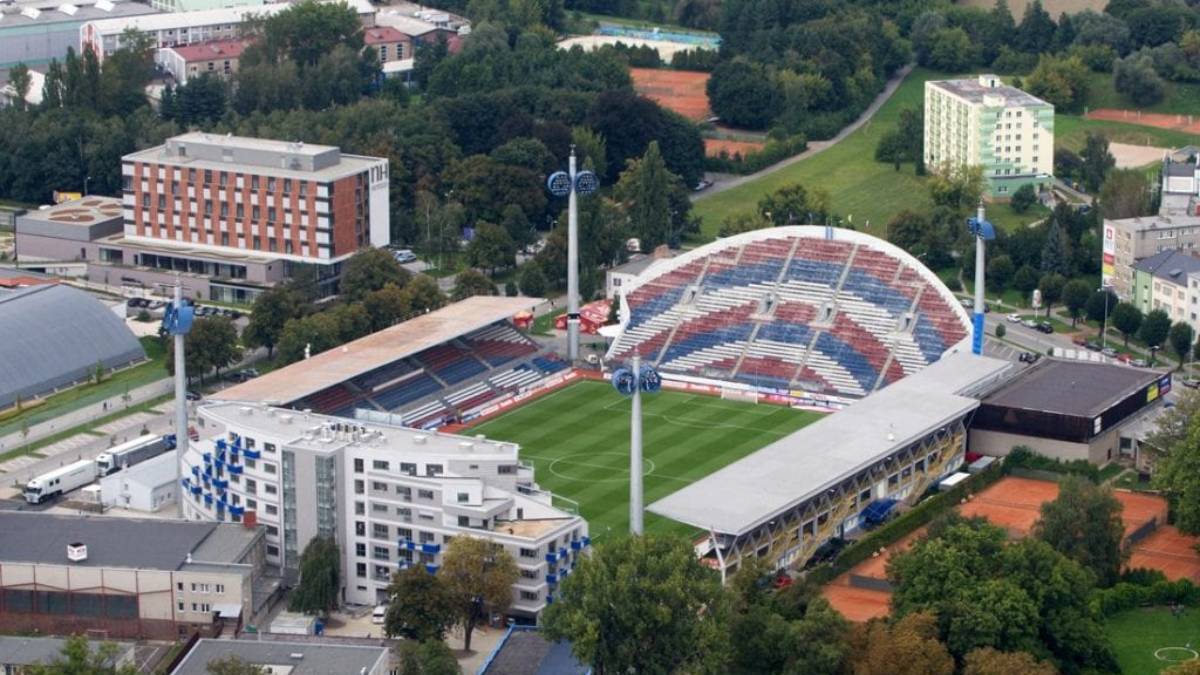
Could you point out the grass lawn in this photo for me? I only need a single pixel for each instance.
(1138, 633)
(1071, 131)
(578, 441)
(860, 187)
(1181, 98)
(544, 324)
(78, 397)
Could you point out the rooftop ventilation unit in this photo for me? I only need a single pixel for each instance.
(77, 552)
(105, 5)
(31, 12)
(68, 9)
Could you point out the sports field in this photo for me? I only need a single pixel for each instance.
(578, 441)
(1148, 641)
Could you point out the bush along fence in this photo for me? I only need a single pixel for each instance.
(773, 152)
(907, 523)
(1023, 461)
(1144, 588)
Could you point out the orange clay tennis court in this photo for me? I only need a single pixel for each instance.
(1015, 504)
(679, 90)
(714, 146)
(1187, 123)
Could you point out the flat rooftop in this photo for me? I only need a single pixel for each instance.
(133, 543)
(82, 212)
(758, 487)
(29, 651)
(304, 378)
(974, 90)
(224, 254)
(27, 14)
(292, 658)
(308, 430)
(203, 17)
(1158, 222)
(1081, 388)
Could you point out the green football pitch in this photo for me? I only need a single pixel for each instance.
(1150, 640)
(578, 441)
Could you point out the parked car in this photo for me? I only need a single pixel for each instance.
(1029, 357)
(826, 552)
(1045, 327)
(404, 255)
(1079, 341)
(1014, 318)
(1092, 346)
(1140, 363)
(379, 615)
(1190, 383)
(1029, 323)
(1109, 352)
(192, 396)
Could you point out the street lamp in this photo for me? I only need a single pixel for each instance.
(86, 180)
(1104, 288)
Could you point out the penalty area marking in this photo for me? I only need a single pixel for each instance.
(622, 472)
(1176, 654)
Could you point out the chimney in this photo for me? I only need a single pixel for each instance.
(77, 551)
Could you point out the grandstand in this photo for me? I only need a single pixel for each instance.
(442, 367)
(828, 311)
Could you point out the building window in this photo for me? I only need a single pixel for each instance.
(464, 521)
(268, 467)
(358, 465)
(463, 497)
(379, 531)
(433, 469)
(378, 486)
(425, 494)
(360, 570)
(360, 550)
(408, 468)
(380, 465)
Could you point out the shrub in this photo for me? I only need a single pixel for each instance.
(1023, 457)
(774, 151)
(1001, 331)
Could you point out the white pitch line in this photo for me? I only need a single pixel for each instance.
(557, 460)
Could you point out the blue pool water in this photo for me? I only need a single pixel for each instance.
(706, 41)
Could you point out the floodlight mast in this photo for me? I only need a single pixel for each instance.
(983, 231)
(570, 184)
(176, 322)
(632, 382)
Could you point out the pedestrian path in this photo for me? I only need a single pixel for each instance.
(66, 445)
(123, 423)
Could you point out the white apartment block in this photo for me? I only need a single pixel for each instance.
(391, 496)
(983, 122)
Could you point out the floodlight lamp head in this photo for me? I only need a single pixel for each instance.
(982, 228)
(177, 318)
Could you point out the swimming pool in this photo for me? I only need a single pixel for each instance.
(705, 41)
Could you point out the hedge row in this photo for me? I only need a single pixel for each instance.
(1022, 457)
(1142, 588)
(773, 152)
(898, 528)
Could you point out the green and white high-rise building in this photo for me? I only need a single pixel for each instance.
(984, 122)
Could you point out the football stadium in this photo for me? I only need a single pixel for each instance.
(808, 373)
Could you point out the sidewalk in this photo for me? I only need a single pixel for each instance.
(89, 412)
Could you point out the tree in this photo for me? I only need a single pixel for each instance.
(307, 31)
(423, 294)
(532, 282)
(1176, 448)
(743, 222)
(1135, 77)
(1023, 198)
(386, 306)
(953, 50)
(370, 270)
(1075, 296)
(478, 576)
(1126, 194)
(1051, 286)
(431, 657)
(492, 248)
(909, 647)
(988, 661)
(1000, 271)
(1181, 337)
(518, 226)
(320, 571)
(1097, 161)
(472, 282)
(957, 187)
(272, 309)
(1084, 524)
(79, 657)
(1036, 31)
(1025, 280)
(1059, 80)
(20, 80)
(419, 606)
(1155, 328)
(642, 604)
(1127, 319)
(212, 343)
(1100, 305)
(234, 665)
(794, 204)
(644, 189)
(1056, 256)
(485, 187)
(742, 95)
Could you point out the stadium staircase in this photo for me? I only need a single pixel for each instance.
(792, 312)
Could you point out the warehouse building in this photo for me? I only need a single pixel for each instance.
(1068, 410)
(34, 31)
(128, 578)
(149, 486)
